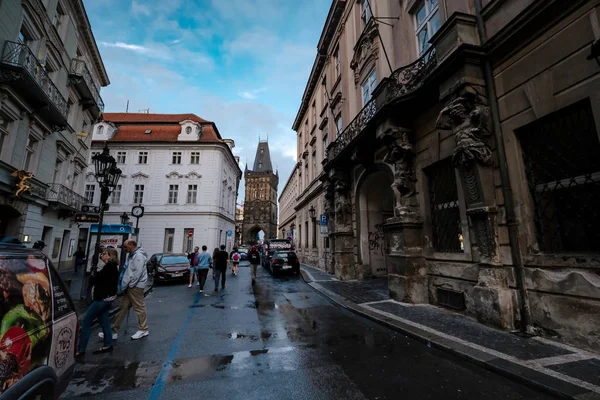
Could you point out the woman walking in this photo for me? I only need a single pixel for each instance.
(215, 251)
(105, 284)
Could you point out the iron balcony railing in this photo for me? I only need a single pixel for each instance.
(79, 68)
(19, 55)
(62, 195)
(401, 82)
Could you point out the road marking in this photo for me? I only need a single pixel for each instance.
(312, 278)
(167, 366)
(566, 358)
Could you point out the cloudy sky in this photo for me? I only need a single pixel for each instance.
(240, 63)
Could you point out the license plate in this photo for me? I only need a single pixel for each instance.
(286, 267)
(176, 275)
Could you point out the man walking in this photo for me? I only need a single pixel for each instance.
(132, 282)
(204, 261)
(220, 261)
(79, 259)
(194, 266)
(254, 258)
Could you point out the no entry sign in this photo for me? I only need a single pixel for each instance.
(190, 233)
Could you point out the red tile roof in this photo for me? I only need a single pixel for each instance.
(119, 118)
(132, 127)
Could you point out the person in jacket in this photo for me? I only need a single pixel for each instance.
(220, 261)
(254, 258)
(193, 257)
(204, 261)
(212, 264)
(132, 282)
(105, 292)
(79, 259)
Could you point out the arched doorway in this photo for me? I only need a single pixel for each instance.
(9, 220)
(375, 204)
(255, 234)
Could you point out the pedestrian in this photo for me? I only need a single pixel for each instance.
(105, 284)
(204, 262)
(79, 258)
(254, 258)
(132, 282)
(220, 261)
(39, 245)
(235, 260)
(212, 264)
(193, 257)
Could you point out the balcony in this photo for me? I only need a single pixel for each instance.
(64, 199)
(81, 78)
(402, 83)
(20, 69)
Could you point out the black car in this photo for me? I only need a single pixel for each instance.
(39, 327)
(165, 267)
(282, 261)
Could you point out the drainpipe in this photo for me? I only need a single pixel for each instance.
(509, 204)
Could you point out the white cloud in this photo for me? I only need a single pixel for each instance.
(251, 94)
(133, 47)
(138, 9)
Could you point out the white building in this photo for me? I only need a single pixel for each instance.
(180, 169)
(51, 73)
(287, 204)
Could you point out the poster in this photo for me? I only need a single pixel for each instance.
(26, 314)
(107, 240)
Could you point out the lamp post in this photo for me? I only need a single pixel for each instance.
(107, 175)
(312, 212)
(292, 227)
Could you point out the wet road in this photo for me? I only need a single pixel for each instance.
(276, 340)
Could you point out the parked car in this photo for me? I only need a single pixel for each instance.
(243, 250)
(38, 326)
(284, 261)
(272, 246)
(169, 267)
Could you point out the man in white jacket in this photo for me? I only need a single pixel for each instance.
(132, 282)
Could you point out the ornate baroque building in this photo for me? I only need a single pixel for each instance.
(51, 73)
(287, 206)
(453, 146)
(260, 204)
(180, 169)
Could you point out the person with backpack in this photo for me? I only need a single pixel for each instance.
(254, 258)
(235, 261)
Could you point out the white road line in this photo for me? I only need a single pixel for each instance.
(566, 347)
(566, 358)
(376, 302)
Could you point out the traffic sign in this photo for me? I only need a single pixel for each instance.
(87, 218)
(190, 233)
(323, 220)
(229, 233)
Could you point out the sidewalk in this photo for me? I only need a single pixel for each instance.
(551, 366)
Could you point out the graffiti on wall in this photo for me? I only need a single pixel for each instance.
(376, 239)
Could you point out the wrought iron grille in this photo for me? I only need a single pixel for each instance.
(562, 161)
(445, 212)
(61, 194)
(79, 68)
(19, 55)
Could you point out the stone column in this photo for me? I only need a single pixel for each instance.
(468, 116)
(342, 233)
(407, 267)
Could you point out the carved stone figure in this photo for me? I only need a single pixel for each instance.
(401, 155)
(343, 209)
(327, 197)
(366, 49)
(469, 119)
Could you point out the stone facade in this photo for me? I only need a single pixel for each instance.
(180, 169)
(260, 204)
(51, 73)
(452, 172)
(287, 204)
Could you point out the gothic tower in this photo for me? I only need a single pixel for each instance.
(260, 204)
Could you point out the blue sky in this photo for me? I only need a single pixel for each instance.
(240, 63)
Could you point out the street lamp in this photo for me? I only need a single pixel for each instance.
(124, 218)
(107, 175)
(312, 212)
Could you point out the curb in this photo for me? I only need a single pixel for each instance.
(523, 374)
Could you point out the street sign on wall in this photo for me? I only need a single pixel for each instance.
(323, 220)
(90, 218)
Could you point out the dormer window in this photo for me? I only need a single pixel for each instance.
(188, 130)
(101, 130)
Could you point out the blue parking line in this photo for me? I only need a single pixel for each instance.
(167, 366)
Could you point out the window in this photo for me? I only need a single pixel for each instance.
(116, 195)
(305, 175)
(57, 168)
(368, 86)
(314, 112)
(192, 194)
(75, 182)
(176, 157)
(30, 150)
(57, 18)
(100, 130)
(121, 157)
(560, 154)
(365, 12)
(314, 233)
(195, 157)
(336, 62)
(143, 157)
(338, 123)
(314, 164)
(168, 243)
(445, 212)
(89, 193)
(173, 190)
(427, 23)
(138, 194)
(4, 130)
(325, 144)
(306, 234)
(325, 95)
